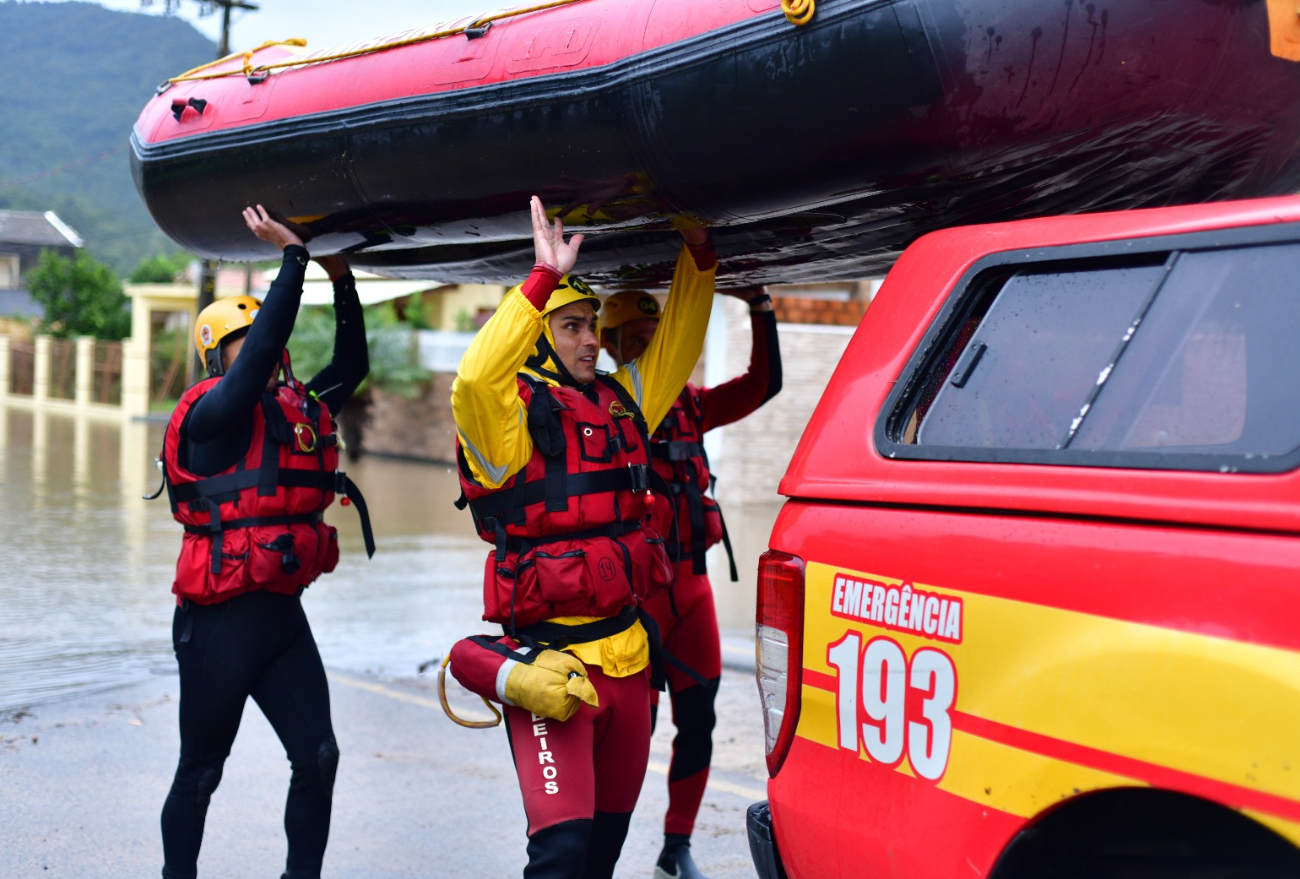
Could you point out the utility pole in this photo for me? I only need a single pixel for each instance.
(224, 48)
(208, 267)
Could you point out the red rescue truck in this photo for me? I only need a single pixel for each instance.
(1032, 608)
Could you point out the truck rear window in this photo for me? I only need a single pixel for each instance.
(1185, 359)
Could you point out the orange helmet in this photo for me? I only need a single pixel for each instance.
(217, 323)
(628, 305)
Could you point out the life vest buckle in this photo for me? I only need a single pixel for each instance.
(640, 476)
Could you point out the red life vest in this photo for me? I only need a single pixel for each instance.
(570, 529)
(690, 520)
(259, 524)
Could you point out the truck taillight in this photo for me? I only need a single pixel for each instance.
(779, 649)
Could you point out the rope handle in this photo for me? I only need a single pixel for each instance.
(446, 706)
(798, 12)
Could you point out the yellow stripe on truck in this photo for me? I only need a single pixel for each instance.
(1135, 697)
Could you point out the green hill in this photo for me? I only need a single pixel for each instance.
(73, 79)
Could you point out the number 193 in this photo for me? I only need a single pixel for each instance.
(891, 705)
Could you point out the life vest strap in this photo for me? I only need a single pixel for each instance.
(278, 432)
(726, 544)
(205, 491)
(695, 513)
(521, 545)
(335, 481)
(254, 522)
(214, 487)
(548, 635)
(557, 636)
(659, 655)
(633, 477)
(675, 450)
(678, 552)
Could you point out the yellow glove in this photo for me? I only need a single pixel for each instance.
(553, 685)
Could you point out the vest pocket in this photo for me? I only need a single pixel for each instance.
(594, 443)
(537, 582)
(564, 578)
(560, 570)
(286, 558)
(196, 556)
(279, 558)
(650, 563)
(712, 522)
(330, 550)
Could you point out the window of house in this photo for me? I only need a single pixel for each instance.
(8, 272)
(1177, 359)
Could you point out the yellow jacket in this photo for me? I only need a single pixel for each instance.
(492, 421)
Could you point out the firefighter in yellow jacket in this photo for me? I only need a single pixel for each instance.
(553, 460)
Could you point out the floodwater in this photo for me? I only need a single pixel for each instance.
(86, 564)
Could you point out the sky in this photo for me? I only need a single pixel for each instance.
(322, 22)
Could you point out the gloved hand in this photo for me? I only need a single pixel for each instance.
(553, 685)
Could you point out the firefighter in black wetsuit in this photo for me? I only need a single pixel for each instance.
(250, 459)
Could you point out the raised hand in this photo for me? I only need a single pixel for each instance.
(334, 265)
(695, 235)
(548, 240)
(264, 227)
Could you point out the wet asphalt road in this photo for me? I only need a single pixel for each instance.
(82, 783)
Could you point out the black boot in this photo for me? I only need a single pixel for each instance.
(675, 860)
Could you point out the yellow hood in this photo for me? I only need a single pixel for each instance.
(543, 363)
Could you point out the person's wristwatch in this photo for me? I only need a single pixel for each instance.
(757, 301)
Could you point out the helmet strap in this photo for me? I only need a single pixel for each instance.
(213, 363)
(546, 362)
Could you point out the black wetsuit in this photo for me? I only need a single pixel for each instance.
(259, 643)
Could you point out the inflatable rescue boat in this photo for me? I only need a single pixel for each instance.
(817, 143)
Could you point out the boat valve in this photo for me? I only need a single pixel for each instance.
(178, 106)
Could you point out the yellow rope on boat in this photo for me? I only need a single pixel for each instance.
(192, 75)
(249, 70)
(799, 12)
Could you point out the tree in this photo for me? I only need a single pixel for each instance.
(394, 362)
(160, 268)
(81, 297)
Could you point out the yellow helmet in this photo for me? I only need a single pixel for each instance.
(571, 289)
(217, 322)
(628, 305)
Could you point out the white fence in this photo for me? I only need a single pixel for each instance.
(440, 350)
